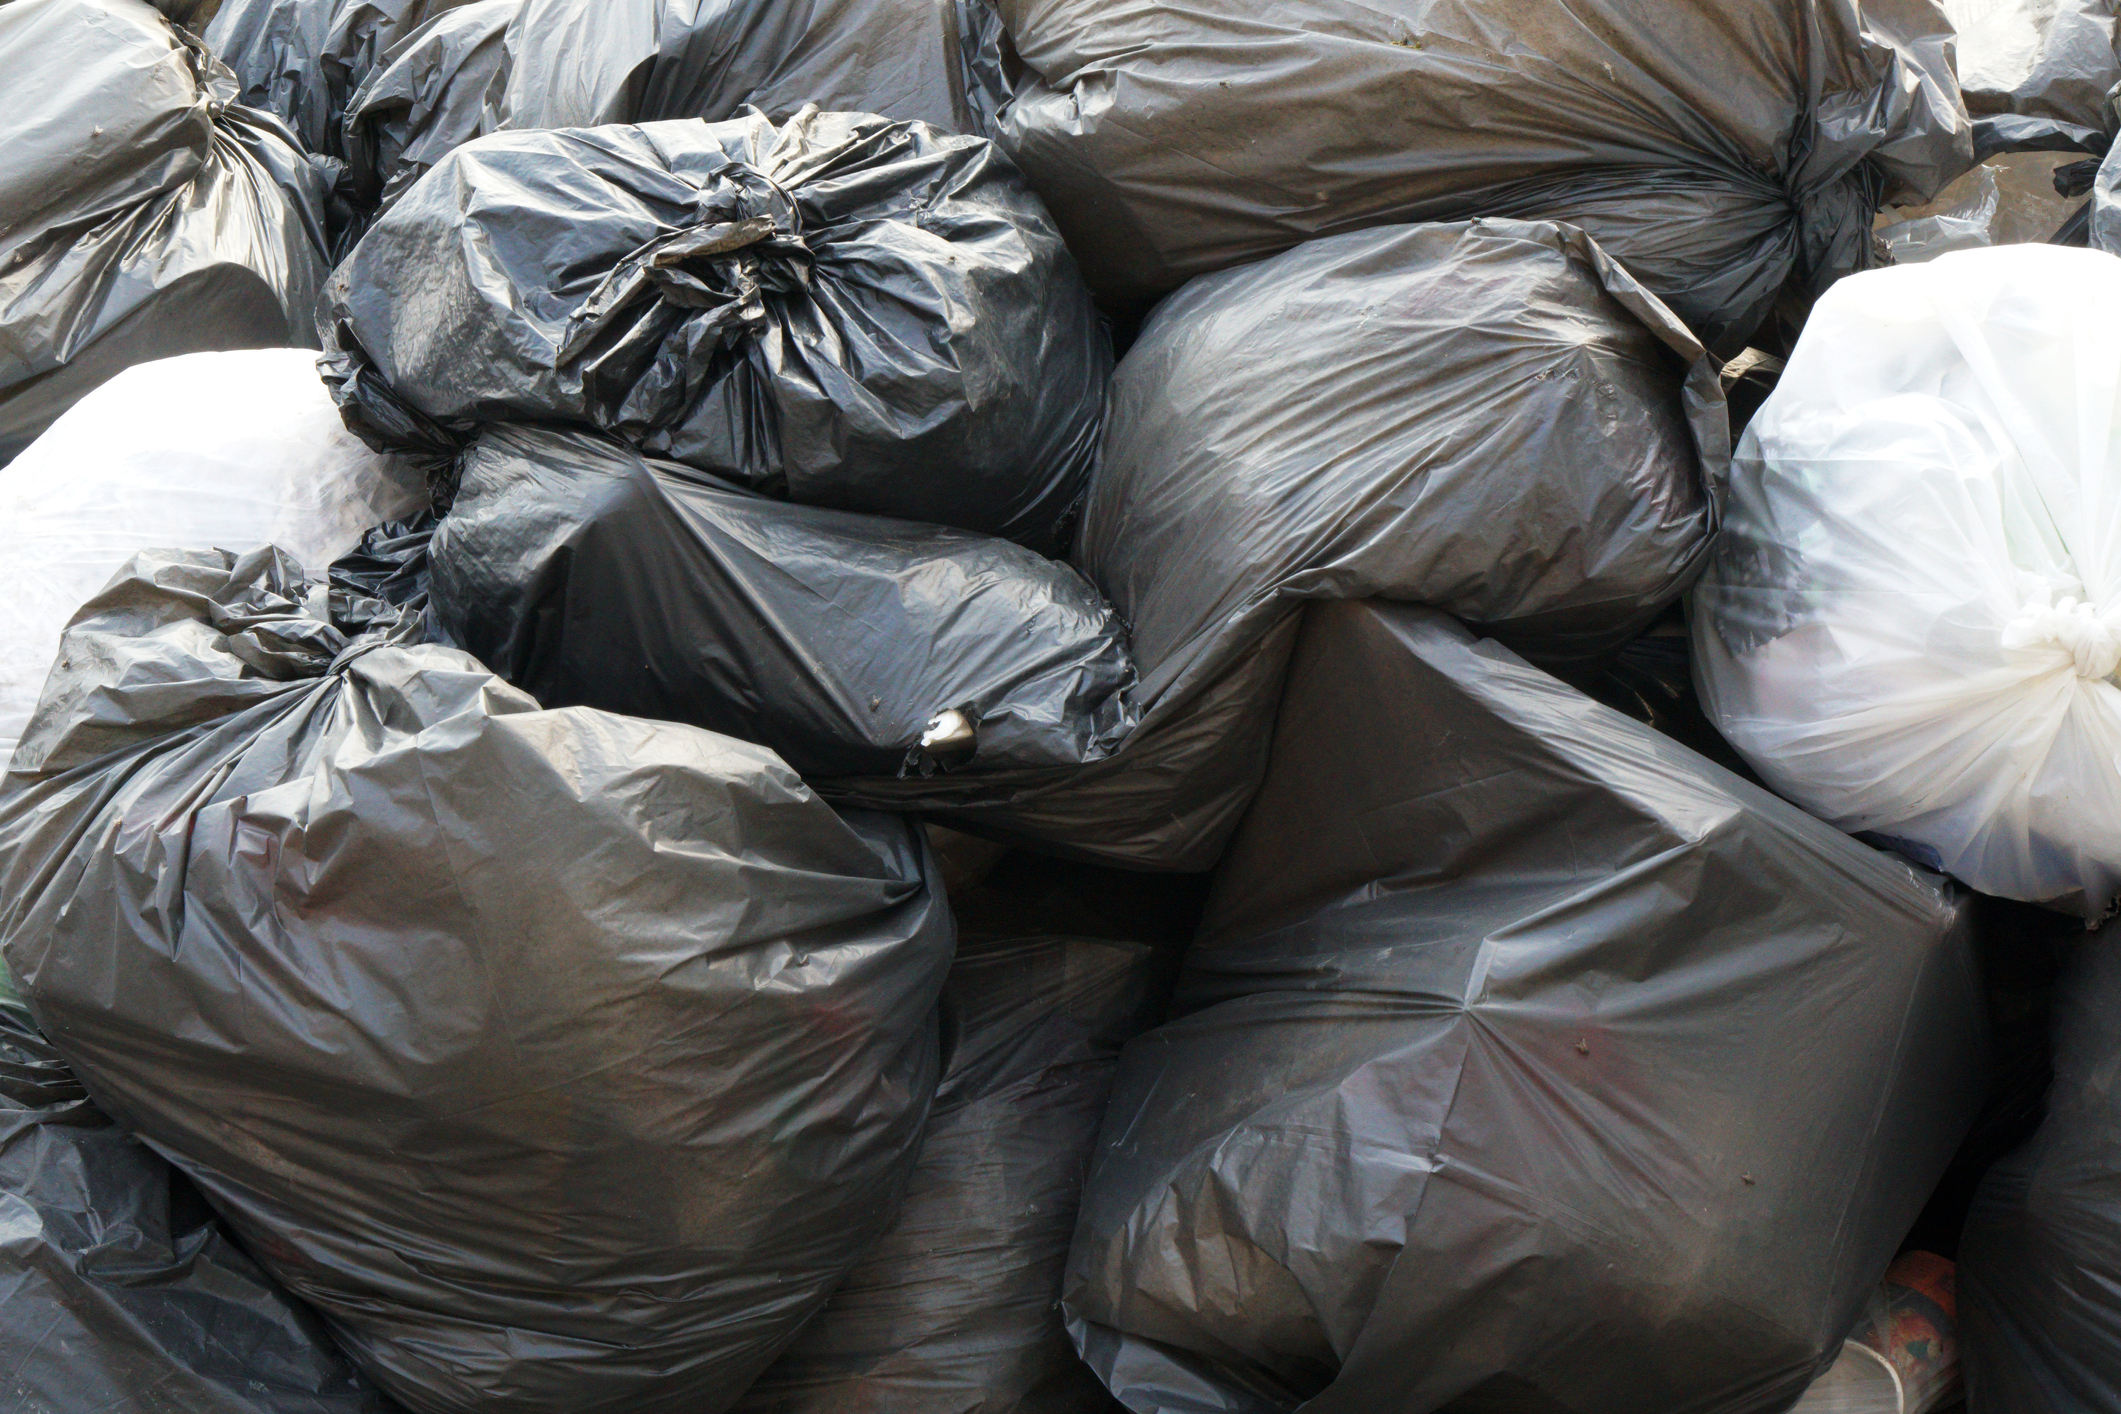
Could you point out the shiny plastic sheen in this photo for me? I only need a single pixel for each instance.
(119, 1290)
(840, 310)
(590, 576)
(142, 214)
(1524, 1060)
(1493, 418)
(562, 1061)
(1724, 150)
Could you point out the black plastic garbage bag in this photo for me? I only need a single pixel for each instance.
(1492, 418)
(304, 59)
(1652, 680)
(581, 63)
(495, 64)
(2040, 58)
(841, 310)
(434, 91)
(1724, 150)
(956, 1310)
(2040, 1257)
(119, 1292)
(563, 1061)
(1524, 1061)
(589, 576)
(194, 15)
(142, 215)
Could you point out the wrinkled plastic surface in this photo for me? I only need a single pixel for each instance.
(1967, 224)
(229, 450)
(1912, 623)
(2040, 1260)
(589, 576)
(2011, 199)
(304, 59)
(119, 1292)
(581, 63)
(1524, 1060)
(2103, 212)
(563, 1061)
(1492, 417)
(1723, 150)
(495, 64)
(956, 1309)
(435, 90)
(141, 215)
(843, 311)
(2042, 58)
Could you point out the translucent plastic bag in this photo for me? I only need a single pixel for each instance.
(1912, 623)
(227, 451)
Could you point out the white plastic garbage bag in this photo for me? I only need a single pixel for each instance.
(207, 451)
(1912, 623)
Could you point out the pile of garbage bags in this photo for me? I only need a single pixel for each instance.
(381, 89)
(986, 707)
(1732, 156)
(841, 310)
(231, 451)
(1543, 468)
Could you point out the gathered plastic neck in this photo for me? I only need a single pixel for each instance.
(2078, 628)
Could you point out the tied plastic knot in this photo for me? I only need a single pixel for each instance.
(2074, 626)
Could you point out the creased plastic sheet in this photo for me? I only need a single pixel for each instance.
(2040, 1261)
(2103, 212)
(840, 310)
(229, 450)
(141, 214)
(435, 90)
(955, 1310)
(1968, 224)
(1490, 417)
(563, 1061)
(1524, 1060)
(119, 1292)
(304, 59)
(589, 576)
(1912, 623)
(2041, 58)
(2011, 199)
(1725, 151)
(495, 64)
(581, 63)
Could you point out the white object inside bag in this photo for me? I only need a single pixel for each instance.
(1912, 623)
(227, 450)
